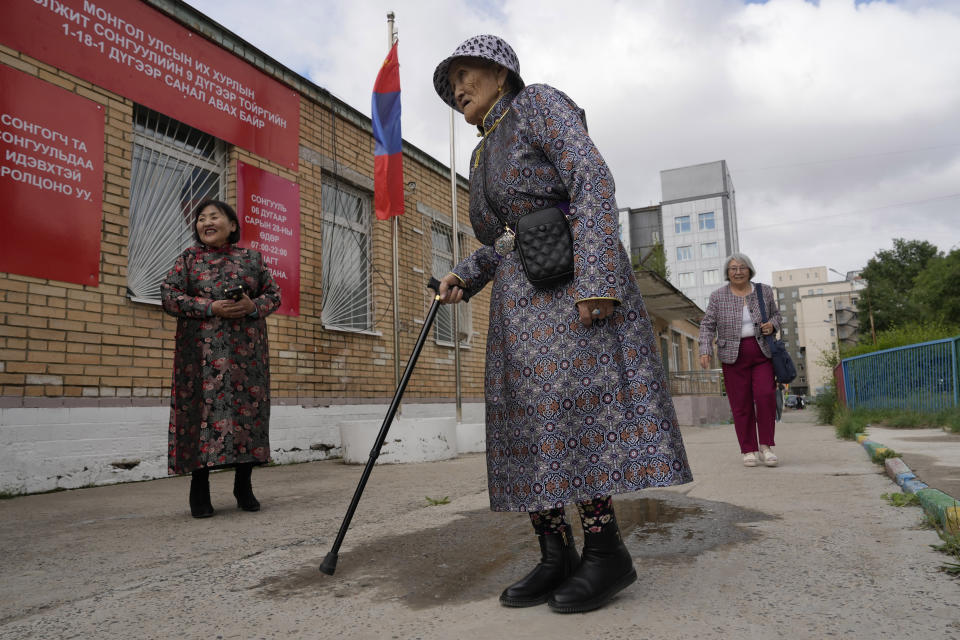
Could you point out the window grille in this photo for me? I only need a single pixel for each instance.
(681, 224)
(442, 252)
(685, 253)
(175, 167)
(346, 258)
(706, 221)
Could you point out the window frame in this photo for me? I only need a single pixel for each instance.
(445, 312)
(362, 230)
(163, 196)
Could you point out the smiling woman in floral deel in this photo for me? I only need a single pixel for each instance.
(220, 397)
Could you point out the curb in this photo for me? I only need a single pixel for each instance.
(942, 508)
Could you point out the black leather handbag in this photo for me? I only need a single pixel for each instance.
(543, 241)
(783, 368)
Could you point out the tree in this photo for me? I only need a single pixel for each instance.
(890, 276)
(655, 260)
(937, 288)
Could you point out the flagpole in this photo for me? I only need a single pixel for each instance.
(396, 266)
(455, 226)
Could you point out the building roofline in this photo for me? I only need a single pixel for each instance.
(218, 34)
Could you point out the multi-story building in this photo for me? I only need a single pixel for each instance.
(699, 219)
(818, 316)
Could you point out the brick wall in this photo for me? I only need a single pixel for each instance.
(67, 347)
(61, 340)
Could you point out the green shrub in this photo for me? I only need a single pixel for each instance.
(827, 405)
(848, 424)
(902, 336)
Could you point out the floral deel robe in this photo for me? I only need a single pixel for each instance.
(220, 397)
(572, 412)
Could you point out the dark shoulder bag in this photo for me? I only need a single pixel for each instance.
(543, 241)
(783, 368)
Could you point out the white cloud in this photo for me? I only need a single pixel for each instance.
(828, 113)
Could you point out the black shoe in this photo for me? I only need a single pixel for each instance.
(200, 506)
(605, 569)
(558, 559)
(242, 489)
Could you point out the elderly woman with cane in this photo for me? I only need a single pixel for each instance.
(577, 406)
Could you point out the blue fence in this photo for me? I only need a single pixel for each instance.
(918, 377)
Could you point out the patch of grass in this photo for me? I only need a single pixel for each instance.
(882, 454)
(433, 502)
(902, 499)
(849, 423)
(951, 547)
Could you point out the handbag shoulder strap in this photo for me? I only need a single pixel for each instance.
(763, 312)
(563, 206)
(486, 194)
(763, 307)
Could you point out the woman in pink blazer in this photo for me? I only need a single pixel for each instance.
(733, 320)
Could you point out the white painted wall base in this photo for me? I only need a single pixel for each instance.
(471, 437)
(407, 440)
(700, 410)
(42, 449)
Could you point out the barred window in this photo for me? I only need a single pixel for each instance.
(175, 167)
(347, 304)
(442, 243)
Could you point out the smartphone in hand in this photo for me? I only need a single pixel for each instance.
(234, 293)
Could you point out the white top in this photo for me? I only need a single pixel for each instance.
(747, 330)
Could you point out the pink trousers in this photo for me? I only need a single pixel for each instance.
(753, 396)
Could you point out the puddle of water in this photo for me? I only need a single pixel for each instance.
(476, 556)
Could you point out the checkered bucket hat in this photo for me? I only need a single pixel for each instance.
(486, 47)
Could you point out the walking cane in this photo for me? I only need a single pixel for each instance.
(329, 564)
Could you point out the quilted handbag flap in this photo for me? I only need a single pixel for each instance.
(546, 247)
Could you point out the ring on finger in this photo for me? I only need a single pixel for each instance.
(595, 313)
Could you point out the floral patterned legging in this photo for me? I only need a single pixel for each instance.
(594, 516)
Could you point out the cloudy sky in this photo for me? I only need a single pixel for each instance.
(839, 121)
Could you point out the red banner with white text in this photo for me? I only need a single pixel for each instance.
(51, 180)
(269, 211)
(139, 53)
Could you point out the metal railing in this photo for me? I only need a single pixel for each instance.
(918, 377)
(696, 383)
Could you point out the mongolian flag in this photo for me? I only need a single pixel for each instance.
(388, 156)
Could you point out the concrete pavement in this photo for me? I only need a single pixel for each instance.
(805, 550)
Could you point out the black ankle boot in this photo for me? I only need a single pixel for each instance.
(242, 489)
(605, 568)
(558, 559)
(200, 506)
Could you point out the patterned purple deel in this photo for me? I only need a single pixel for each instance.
(572, 412)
